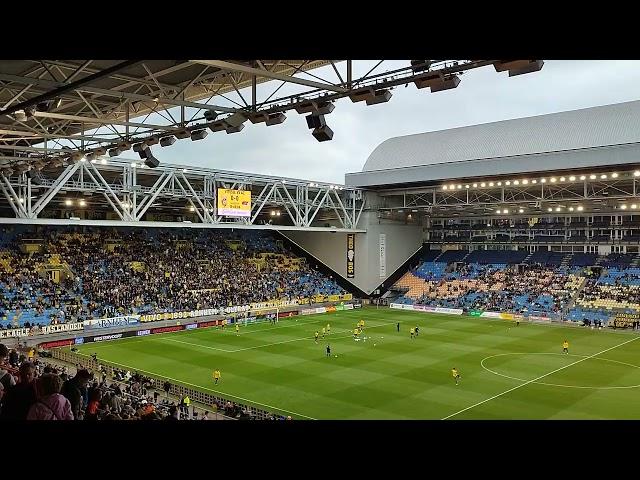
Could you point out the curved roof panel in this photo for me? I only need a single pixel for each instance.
(577, 129)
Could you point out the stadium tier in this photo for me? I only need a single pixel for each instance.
(530, 284)
(62, 275)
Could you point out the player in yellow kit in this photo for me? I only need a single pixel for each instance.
(412, 331)
(237, 328)
(317, 337)
(328, 329)
(455, 374)
(355, 333)
(216, 376)
(565, 347)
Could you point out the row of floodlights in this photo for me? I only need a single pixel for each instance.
(534, 181)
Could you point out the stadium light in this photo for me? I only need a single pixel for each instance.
(592, 177)
(603, 176)
(167, 141)
(534, 181)
(583, 177)
(636, 173)
(104, 161)
(498, 211)
(459, 187)
(572, 178)
(571, 209)
(198, 135)
(507, 183)
(614, 175)
(444, 187)
(525, 181)
(491, 184)
(82, 203)
(549, 209)
(516, 182)
(518, 67)
(557, 209)
(452, 187)
(379, 96)
(580, 208)
(553, 179)
(436, 82)
(543, 180)
(623, 206)
(633, 206)
(505, 211)
(68, 202)
(475, 185)
(482, 184)
(562, 179)
(499, 184)
(466, 186)
(520, 210)
(275, 119)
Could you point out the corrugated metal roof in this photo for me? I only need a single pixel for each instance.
(590, 127)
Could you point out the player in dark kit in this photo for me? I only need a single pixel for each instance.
(398, 326)
(328, 350)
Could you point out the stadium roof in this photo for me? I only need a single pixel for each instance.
(573, 139)
(56, 110)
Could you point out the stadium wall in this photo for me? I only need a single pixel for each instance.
(401, 242)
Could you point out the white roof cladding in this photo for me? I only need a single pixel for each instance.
(509, 146)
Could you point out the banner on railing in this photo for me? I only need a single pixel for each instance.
(111, 322)
(63, 327)
(287, 314)
(313, 311)
(423, 308)
(273, 304)
(15, 332)
(502, 315)
(194, 313)
(348, 306)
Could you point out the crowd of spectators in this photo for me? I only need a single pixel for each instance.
(113, 272)
(487, 287)
(38, 390)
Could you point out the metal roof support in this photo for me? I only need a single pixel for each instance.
(69, 87)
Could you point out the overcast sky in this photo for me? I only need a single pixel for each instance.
(483, 96)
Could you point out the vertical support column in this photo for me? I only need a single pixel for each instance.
(253, 93)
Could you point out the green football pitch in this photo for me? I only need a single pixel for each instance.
(507, 371)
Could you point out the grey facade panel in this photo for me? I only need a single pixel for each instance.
(577, 129)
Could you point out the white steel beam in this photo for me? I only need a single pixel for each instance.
(236, 67)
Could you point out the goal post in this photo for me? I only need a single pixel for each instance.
(258, 315)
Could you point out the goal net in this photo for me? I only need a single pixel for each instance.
(254, 316)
